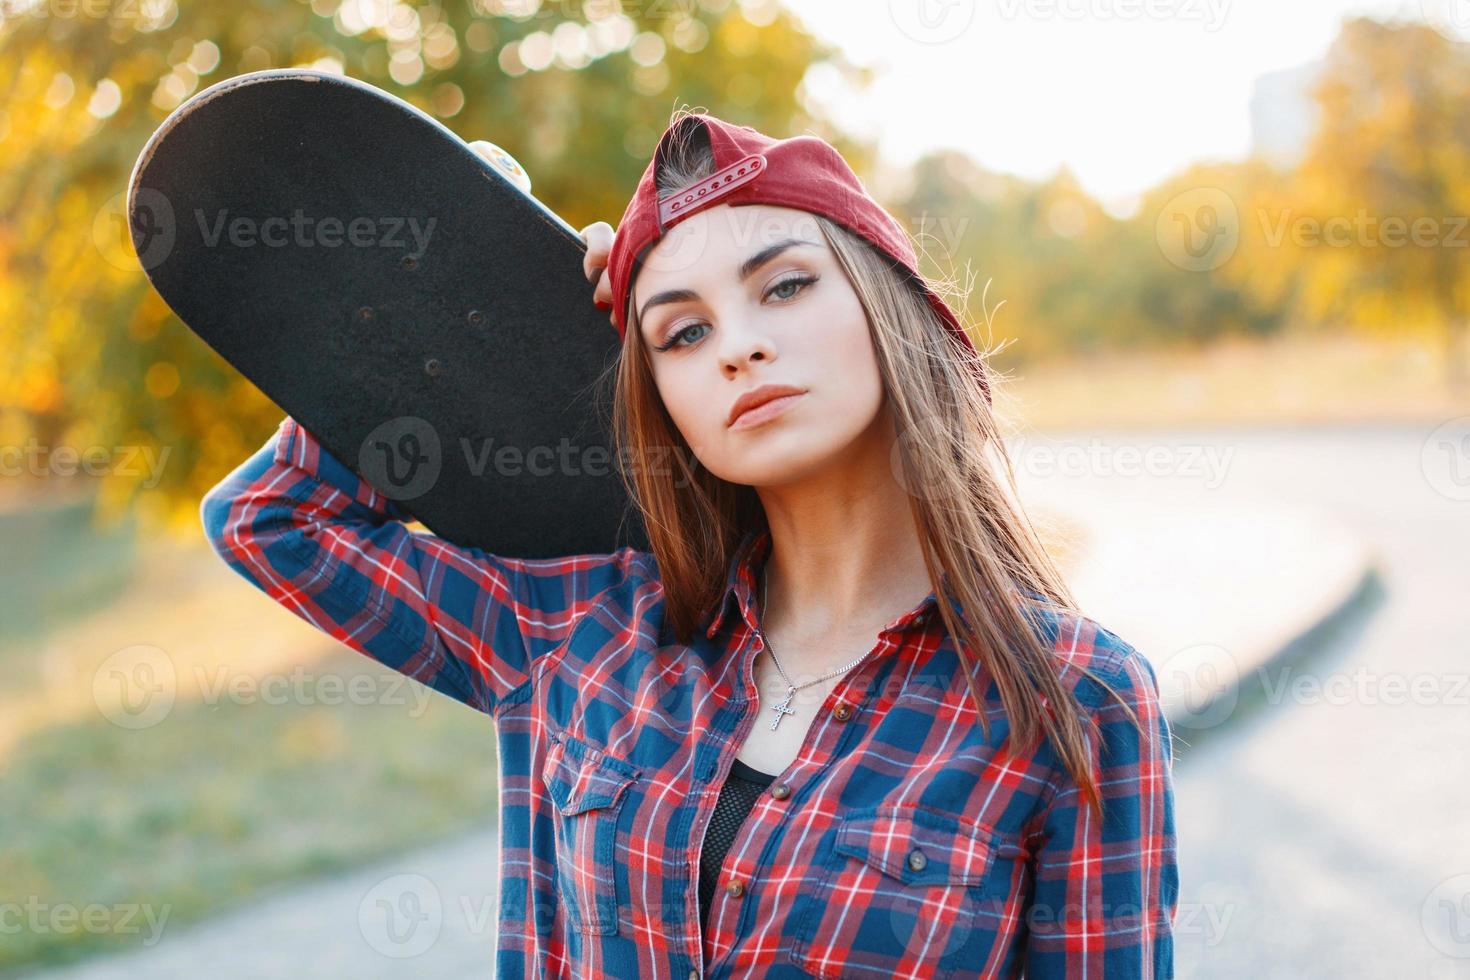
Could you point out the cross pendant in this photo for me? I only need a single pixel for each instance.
(783, 709)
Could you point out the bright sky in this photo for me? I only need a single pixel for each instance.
(1124, 92)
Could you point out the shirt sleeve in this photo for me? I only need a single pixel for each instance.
(1106, 890)
(304, 528)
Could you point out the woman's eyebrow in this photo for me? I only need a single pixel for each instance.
(747, 269)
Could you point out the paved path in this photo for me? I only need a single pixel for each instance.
(426, 914)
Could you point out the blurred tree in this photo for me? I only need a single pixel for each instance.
(578, 92)
(1075, 279)
(1387, 168)
(1329, 245)
(1245, 288)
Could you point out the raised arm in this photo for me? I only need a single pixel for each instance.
(302, 527)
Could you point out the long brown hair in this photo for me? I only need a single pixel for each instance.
(950, 457)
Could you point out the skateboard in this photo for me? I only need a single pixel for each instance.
(407, 301)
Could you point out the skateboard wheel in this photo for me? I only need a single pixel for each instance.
(507, 165)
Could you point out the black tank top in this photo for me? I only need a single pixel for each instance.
(737, 797)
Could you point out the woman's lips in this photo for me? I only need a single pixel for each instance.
(765, 411)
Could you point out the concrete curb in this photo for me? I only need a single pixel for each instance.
(1216, 598)
(1194, 712)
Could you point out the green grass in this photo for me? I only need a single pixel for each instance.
(58, 566)
(219, 802)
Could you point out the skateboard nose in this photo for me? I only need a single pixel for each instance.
(504, 162)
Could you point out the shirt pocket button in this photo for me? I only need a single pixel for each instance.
(588, 788)
(899, 894)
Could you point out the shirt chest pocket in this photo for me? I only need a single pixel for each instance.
(899, 895)
(588, 788)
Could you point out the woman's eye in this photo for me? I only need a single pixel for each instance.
(679, 335)
(798, 281)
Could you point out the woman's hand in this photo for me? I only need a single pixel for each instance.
(599, 238)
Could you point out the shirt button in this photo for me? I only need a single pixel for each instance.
(693, 975)
(917, 860)
(780, 791)
(842, 712)
(735, 889)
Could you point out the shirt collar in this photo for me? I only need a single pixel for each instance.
(740, 578)
(746, 564)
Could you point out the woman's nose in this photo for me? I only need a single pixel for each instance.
(743, 338)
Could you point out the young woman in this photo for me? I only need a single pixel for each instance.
(842, 720)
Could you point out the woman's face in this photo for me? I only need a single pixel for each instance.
(733, 298)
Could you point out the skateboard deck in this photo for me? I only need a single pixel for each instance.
(404, 299)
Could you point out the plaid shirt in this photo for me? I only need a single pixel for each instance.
(902, 842)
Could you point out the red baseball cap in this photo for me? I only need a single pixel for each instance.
(803, 172)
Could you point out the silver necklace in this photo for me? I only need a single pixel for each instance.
(783, 708)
